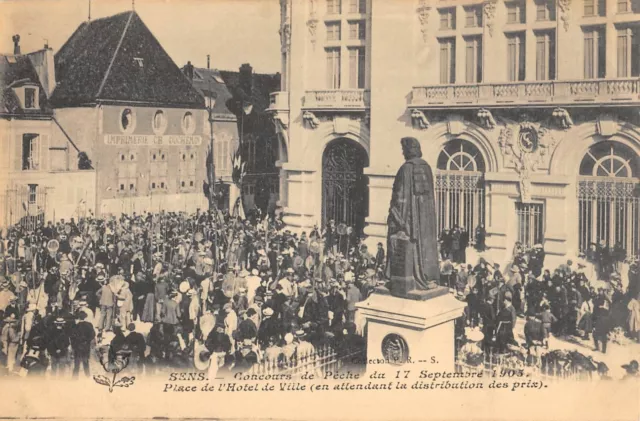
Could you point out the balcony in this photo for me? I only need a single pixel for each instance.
(576, 93)
(337, 100)
(278, 101)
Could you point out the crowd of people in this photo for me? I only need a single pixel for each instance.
(176, 290)
(207, 286)
(584, 298)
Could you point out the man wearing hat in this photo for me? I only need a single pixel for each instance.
(287, 283)
(269, 327)
(107, 301)
(245, 357)
(10, 340)
(218, 344)
(58, 345)
(230, 321)
(82, 336)
(304, 348)
(506, 321)
(248, 328)
(253, 282)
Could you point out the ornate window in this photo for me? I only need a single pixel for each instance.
(460, 155)
(609, 198)
(610, 159)
(459, 187)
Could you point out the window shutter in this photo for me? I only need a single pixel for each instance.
(361, 68)
(511, 58)
(623, 53)
(353, 68)
(469, 62)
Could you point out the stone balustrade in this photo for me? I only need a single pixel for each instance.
(336, 99)
(554, 93)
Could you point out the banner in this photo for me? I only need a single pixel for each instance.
(151, 140)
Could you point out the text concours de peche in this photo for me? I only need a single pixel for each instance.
(152, 140)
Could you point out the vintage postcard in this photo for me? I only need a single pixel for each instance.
(320, 209)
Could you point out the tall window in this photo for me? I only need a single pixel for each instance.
(447, 60)
(29, 98)
(30, 151)
(629, 52)
(516, 53)
(356, 68)
(33, 194)
(530, 223)
(608, 198)
(357, 29)
(333, 68)
(595, 7)
(516, 12)
(545, 56)
(594, 53)
(473, 59)
(357, 6)
(334, 7)
(459, 187)
(447, 18)
(333, 31)
(545, 10)
(473, 17)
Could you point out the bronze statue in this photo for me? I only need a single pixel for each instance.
(412, 238)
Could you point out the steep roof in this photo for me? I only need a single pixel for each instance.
(16, 71)
(209, 82)
(118, 59)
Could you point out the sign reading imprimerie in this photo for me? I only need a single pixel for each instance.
(151, 140)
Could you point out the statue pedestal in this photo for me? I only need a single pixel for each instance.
(411, 332)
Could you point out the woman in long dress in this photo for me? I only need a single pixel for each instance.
(633, 321)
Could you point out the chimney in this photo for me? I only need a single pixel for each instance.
(188, 70)
(45, 67)
(246, 78)
(16, 44)
(208, 61)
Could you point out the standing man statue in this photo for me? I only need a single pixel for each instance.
(412, 239)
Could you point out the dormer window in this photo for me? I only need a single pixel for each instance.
(29, 98)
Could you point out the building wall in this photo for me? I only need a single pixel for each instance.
(145, 169)
(63, 191)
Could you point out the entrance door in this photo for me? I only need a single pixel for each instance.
(344, 187)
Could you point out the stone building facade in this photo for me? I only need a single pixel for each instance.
(526, 110)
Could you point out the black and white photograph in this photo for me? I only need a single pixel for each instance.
(248, 201)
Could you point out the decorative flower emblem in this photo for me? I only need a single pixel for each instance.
(113, 362)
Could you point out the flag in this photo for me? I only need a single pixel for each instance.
(238, 168)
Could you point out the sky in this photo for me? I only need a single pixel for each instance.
(231, 31)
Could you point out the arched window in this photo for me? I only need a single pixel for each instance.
(610, 159)
(609, 198)
(460, 187)
(460, 155)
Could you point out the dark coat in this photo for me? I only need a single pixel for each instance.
(413, 211)
(81, 336)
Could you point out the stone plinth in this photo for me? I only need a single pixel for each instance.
(420, 329)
